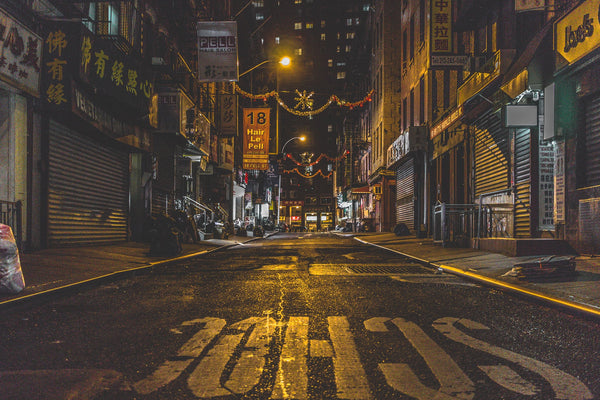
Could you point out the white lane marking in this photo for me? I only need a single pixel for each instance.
(205, 380)
(249, 368)
(292, 376)
(376, 324)
(349, 256)
(505, 376)
(350, 377)
(564, 385)
(320, 348)
(171, 369)
(401, 378)
(453, 381)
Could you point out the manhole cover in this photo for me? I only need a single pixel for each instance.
(367, 269)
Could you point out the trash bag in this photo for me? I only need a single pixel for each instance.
(165, 237)
(401, 230)
(11, 276)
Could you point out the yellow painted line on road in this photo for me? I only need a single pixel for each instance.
(520, 289)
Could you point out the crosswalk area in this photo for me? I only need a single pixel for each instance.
(232, 359)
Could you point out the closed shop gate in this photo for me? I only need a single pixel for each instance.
(405, 193)
(87, 190)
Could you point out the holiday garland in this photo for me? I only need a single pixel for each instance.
(323, 155)
(297, 171)
(304, 101)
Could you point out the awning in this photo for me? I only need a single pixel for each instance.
(193, 152)
(361, 190)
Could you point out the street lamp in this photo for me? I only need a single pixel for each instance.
(302, 139)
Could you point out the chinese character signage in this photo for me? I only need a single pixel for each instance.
(529, 5)
(441, 26)
(114, 73)
(217, 51)
(57, 67)
(228, 114)
(20, 55)
(256, 138)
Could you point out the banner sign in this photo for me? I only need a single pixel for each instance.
(578, 33)
(217, 51)
(20, 55)
(441, 26)
(256, 138)
(228, 111)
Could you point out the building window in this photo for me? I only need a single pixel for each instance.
(298, 51)
(260, 16)
(330, 63)
(323, 37)
(349, 21)
(348, 48)
(258, 3)
(340, 64)
(350, 35)
(366, 7)
(338, 49)
(341, 75)
(322, 23)
(330, 128)
(297, 1)
(309, 25)
(297, 26)
(277, 40)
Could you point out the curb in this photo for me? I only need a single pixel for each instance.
(505, 286)
(113, 276)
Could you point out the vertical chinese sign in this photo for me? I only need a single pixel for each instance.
(228, 114)
(57, 69)
(20, 55)
(441, 26)
(256, 138)
(217, 51)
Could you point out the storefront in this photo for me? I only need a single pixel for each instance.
(405, 157)
(577, 128)
(20, 56)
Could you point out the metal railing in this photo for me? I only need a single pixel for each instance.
(458, 224)
(11, 215)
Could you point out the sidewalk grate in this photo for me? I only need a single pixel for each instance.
(367, 269)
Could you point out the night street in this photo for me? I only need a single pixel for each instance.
(296, 316)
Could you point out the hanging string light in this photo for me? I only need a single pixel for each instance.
(297, 171)
(322, 156)
(304, 100)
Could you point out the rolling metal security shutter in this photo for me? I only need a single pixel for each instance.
(523, 182)
(87, 190)
(592, 142)
(405, 190)
(492, 158)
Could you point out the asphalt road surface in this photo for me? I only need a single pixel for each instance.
(296, 316)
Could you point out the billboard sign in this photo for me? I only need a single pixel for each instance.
(217, 51)
(256, 138)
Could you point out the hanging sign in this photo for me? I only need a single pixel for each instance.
(256, 138)
(20, 54)
(228, 112)
(578, 33)
(217, 51)
(441, 26)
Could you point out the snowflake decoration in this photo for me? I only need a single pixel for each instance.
(304, 100)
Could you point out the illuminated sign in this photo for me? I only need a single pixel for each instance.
(217, 51)
(441, 26)
(256, 138)
(578, 32)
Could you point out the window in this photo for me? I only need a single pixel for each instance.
(330, 63)
(349, 21)
(341, 75)
(340, 64)
(366, 7)
(297, 1)
(348, 48)
(309, 25)
(277, 39)
(350, 35)
(260, 16)
(330, 128)
(92, 16)
(297, 26)
(298, 51)
(325, 201)
(322, 23)
(356, 21)
(323, 37)
(258, 3)
(338, 49)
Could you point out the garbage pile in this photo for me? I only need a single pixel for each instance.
(11, 275)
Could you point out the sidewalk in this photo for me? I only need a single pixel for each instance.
(54, 270)
(51, 271)
(579, 291)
